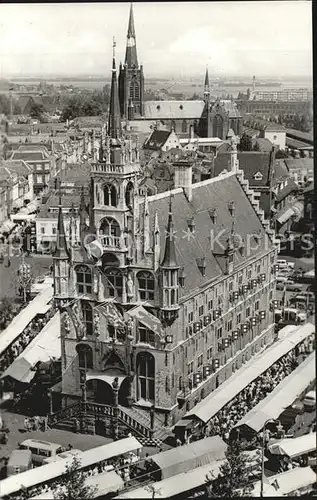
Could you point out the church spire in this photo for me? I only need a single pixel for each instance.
(61, 250)
(206, 86)
(114, 123)
(131, 59)
(169, 260)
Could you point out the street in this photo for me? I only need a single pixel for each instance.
(8, 275)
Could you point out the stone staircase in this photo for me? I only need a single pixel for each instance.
(138, 421)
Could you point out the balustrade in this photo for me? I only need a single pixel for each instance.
(110, 241)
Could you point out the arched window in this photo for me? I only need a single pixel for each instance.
(110, 195)
(129, 195)
(146, 376)
(110, 232)
(87, 317)
(84, 279)
(85, 357)
(180, 383)
(114, 277)
(184, 126)
(218, 127)
(146, 285)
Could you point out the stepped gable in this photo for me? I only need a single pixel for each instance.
(214, 193)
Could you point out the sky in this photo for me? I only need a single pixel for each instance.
(173, 39)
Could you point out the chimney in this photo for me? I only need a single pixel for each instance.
(183, 177)
(234, 162)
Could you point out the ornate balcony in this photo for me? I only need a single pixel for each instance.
(111, 241)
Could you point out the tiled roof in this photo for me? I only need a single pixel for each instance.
(303, 136)
(230, 108)
(251, 132)
(77, 172)
(213, 193)
(173, 110)
(29, 156)
(53, 202)
(145, 126)
(252, 162)
(23, 101)
(157, 139)
(290, 187)
(264, 144)
(294, 143)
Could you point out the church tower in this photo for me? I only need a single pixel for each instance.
(131, 79)
(204, 126)
(115, 198)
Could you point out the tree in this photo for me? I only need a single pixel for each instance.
(245, 143)
(37, 110)
(256, 147)
(233, 477)
(280, 154)
(72, 484)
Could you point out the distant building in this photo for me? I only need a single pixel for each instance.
(273, 108)
(290, 94)
(16, 186)
(42, 162)
(272, 131)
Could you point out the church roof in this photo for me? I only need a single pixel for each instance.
(230, 108)
(173, 110)
(157, 139)
(191, 247)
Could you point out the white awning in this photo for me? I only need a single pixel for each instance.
(7, 226)
(294, 447)
(18, 203)
(107, 377)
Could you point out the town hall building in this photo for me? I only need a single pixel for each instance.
(162, 298)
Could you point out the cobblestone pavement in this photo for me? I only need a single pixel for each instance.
(15, 422)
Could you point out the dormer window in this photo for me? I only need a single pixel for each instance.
(213, 215)
(181, 106)
(232, 208)
(191, 224)
(258, 176)
(158, 107)
(201, 264)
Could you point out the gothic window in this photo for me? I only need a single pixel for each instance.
(184, 126)
(145, 334)
(87, 317)
(85, 357)
(129, 195)
(146, 285)
(146, 376)
(115, 280)
(110, 195)
(218, 127)
(84, 279)
(110, 232)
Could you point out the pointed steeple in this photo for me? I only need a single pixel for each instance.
(206, 79)
(131, 59)
(206, 87)
(169, 260)
(61, 250)
(114, 123)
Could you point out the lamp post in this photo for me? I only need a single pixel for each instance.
(270, 420)
(115, 387)
(24, 278)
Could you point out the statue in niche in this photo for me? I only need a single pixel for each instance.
(130, 286)
(96, 323)
(66, 323)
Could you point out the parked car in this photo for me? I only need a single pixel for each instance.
(294, 287)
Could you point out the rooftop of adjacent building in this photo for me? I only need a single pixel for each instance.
(49, 209)
(13, 167)
(252, 163)
(193, 247)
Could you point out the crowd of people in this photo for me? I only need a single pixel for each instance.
(225, 420)
(126, 468)
(28, 334)
(36, 423)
